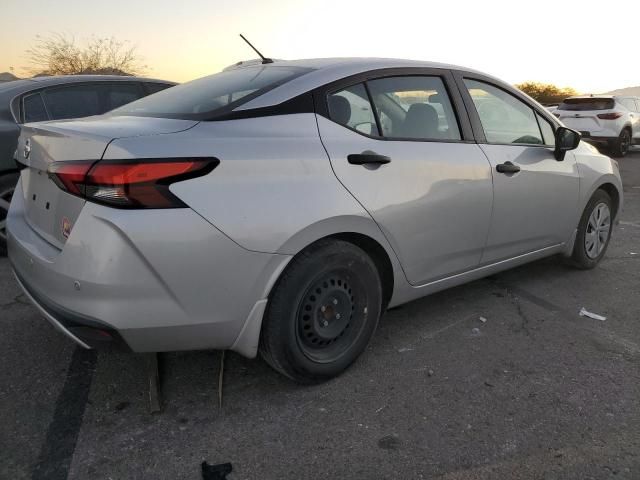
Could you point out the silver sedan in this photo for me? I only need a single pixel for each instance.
(280, 208)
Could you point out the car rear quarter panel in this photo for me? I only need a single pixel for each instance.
(274, 190)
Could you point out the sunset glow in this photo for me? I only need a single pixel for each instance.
(546, 41)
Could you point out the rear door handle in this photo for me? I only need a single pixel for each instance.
(507, 167)
(367, 158)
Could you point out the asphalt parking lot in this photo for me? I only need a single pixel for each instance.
(536, 391)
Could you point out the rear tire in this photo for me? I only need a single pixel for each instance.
(322, 312)
(7, 187)
(594, 231)
(620, 147)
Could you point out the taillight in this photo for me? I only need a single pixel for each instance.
(129, 183)
(609, 116)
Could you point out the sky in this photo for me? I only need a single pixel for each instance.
(566, 42)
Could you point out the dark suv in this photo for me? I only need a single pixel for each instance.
(53, 98)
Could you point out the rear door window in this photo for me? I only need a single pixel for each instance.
(33, 109)
(414, 107)
(75, 101)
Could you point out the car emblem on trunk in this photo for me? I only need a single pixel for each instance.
(27, 149)
(66, 227)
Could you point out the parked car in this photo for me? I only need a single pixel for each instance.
(281, 208)
(608, 121)
(52, 98)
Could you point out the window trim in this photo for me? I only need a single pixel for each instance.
(23, 110)
(321, 95)
(478, 130)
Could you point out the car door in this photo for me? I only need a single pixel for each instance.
(535, 196)
(400, 144)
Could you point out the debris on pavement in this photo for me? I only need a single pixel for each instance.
(482, 319)
(430, 373)
(475, 331)
(404, 349)
(585, 313)
(216, 472)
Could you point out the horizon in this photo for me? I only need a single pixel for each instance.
(173, 41)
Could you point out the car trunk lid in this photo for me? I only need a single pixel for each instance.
(50, 211)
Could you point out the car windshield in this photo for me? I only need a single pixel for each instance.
(212, 95)
(581, 104)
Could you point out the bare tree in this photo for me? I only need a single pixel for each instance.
(59, 54)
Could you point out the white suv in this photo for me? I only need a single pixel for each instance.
(604, 120)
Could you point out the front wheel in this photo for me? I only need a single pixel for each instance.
(322, 313)
(594, 231)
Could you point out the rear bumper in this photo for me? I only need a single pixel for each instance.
(86, 332)
(154, 280)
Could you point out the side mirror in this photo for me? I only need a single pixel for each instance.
(566, 139)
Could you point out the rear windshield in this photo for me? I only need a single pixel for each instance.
(580, 104)
(210, 96)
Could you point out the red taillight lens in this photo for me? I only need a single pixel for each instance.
(70, 176)
(129, 183)
(609, 116)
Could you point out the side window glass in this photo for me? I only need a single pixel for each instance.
(33, 109)
(73, 102)
(548, 134)
(416, 107)
(119, 94)
(153, 87)
(629, 104)
(505, 119)
(351, 107)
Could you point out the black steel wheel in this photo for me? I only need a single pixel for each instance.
(322, 312)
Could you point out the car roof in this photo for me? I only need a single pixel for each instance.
(16, 87)
(9, 90)
(327, 70)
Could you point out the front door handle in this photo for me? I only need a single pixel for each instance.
(507, 167)
(367, 158)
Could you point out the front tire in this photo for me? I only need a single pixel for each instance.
(594, 231)
(322, 312)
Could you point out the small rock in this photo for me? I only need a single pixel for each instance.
(475, 331)
(430, 373)
(483, 320)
